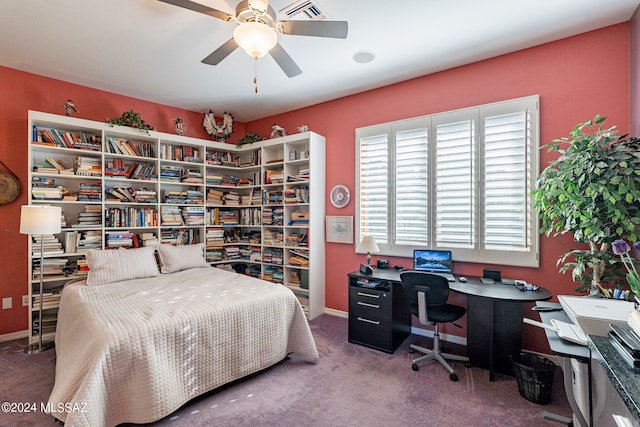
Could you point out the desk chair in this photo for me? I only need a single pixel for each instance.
(427, 294)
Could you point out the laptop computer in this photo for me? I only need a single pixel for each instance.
(432, 261)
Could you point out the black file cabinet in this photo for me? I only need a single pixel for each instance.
(379, 315)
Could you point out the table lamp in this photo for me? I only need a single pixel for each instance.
(368, 244)
(40, 220)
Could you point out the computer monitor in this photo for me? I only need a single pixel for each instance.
(432, 261)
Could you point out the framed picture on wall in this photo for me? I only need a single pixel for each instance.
(339, 229)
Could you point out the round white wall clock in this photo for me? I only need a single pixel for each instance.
(340, 196)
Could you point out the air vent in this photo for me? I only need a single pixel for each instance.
(304, 10)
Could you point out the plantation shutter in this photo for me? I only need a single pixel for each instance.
(507, 174)
(455, 189)
(411, 185)
(374, 187)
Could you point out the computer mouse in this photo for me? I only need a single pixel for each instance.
(462, 279)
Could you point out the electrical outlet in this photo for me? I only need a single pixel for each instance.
(25, 300)
(7, 303)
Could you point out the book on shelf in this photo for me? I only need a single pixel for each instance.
(49, 300)
(193, 215)
(90, 192)
(119, 239)
(90, 239)
(47, 244)
(71, 241)
(88, 166)
(171, 216)
(148, 239)
(90, 217)
(179, 236)
(67, 139)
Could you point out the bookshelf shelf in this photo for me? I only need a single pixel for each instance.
(240, 202)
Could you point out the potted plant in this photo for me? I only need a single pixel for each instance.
(592, 191)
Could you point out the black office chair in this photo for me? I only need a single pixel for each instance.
(427, 294)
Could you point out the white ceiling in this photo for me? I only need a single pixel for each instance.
(151, 50)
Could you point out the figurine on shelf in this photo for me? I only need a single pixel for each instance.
(303, 128)
(221, 130)
(181, 127)
(277, 131)
(69, 107)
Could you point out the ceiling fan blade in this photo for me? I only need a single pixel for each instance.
(333, 29)
(197, 7)
(220, 53)
(285, 62)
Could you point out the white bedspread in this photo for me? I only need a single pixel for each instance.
(137, 350)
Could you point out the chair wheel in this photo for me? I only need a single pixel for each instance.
(411, 350)
(415, 367)
(453, 377)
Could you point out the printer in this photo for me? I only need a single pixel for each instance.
(594, 315)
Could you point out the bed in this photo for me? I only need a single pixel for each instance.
(136, 350)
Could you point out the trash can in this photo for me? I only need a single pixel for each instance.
(535, 377)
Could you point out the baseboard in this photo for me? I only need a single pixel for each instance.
(14, 335)
(337, 313)
(454, 339)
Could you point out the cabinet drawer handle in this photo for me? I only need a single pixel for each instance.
(368, 305)
(375, 322)
(362, 294)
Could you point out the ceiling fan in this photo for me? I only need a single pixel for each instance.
(257, 31)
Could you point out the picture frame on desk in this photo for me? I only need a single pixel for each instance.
(339, 229)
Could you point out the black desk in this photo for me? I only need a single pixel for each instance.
(379, 315)
(494, 322)
(494, 318)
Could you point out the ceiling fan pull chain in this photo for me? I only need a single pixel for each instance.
(255, 74)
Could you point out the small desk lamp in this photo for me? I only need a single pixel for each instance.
(368, 244)
(40, 219)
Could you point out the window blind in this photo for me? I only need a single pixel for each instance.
(455, 184)
(458, 180)
(411, 185)
(506, 178)
(374, 187)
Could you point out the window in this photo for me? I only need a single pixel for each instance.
(458, 180)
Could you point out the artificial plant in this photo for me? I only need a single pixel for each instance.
(249, 138)
(592, 191)
(132, 119)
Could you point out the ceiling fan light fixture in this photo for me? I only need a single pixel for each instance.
(259, 5)
(255, 38)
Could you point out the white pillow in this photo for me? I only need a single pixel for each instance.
(115, 265)
(181, 257)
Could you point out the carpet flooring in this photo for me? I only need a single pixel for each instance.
(351, 385)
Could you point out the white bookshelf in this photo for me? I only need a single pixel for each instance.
(187, 175)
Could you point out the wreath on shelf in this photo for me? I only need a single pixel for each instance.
(219, 130)
(131, 119)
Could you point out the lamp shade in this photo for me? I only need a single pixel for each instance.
(37, 219)
(255, 38)
(368, 244)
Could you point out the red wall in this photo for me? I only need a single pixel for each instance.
(635, 73)
(20, 92)
(576, 78)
